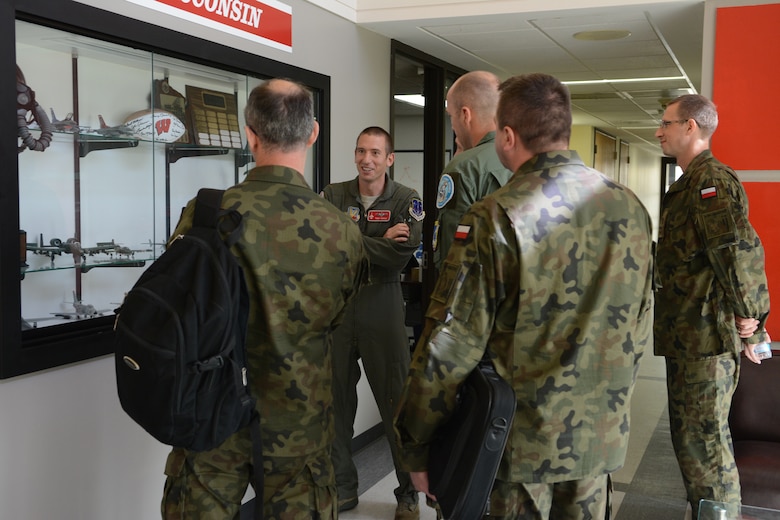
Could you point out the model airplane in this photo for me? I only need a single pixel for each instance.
(122, 131)
(81, 310)
(67, 125)
(73, 247)
(56, 247)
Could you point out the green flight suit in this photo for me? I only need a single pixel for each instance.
(303, 262)
(373, 329)
(552, 275)
(468, 177)
(710, 268)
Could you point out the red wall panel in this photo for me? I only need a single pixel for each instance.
(764, 198)
(745, 89)
(745, 86)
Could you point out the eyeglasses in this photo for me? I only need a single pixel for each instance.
(665, 124)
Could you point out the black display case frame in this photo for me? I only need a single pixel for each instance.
(24, 352)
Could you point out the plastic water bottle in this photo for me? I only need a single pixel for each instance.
(763, 351)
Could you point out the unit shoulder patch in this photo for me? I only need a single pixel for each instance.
(416, 209)
(446, 191)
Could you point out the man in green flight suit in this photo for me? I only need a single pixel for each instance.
(551, 277)
(712, 300)
(390, 217)
(476, 170)
(303, 261)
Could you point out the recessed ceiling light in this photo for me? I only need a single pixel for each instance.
(622, 80)
(413, 99)
(597, 36)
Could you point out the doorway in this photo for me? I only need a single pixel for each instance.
(424, 143)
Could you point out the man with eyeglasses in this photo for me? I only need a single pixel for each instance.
(390, 217)
(711, 300)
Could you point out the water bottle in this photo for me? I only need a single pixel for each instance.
(763, 351)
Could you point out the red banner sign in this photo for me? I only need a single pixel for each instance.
(268, 22)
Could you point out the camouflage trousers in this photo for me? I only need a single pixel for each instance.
(583, 499)
(700, 394)
(210, 485)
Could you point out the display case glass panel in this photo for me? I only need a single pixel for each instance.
(114, 140)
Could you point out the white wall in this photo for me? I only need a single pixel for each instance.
(67, 450)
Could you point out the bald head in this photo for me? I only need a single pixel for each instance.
(471, 104)
(477, 90)
(281, 113)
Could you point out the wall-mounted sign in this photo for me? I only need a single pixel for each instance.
(268, 22)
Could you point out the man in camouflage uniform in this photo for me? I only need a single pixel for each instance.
(551, 276)
(389, 215)
(712, 297)
(475, 171)
(302, 260)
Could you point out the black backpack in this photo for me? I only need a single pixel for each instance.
(180, 350)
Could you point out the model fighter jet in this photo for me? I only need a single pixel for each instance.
(73, 247)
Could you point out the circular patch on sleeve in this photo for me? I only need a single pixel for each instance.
(445, 191)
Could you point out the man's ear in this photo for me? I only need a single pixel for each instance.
(467, 116)
(315, 132)
(508, 138)
(251, 137)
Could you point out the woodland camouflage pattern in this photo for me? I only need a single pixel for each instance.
(303, 261)
(554, 279)
(710, 267)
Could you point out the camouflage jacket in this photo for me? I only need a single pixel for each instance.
(468, 177)
(396, 204)
(303, 261)
(709, 264)
(552, 274)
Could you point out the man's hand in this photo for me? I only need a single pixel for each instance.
(420, 482)
(746, 326)
(399, 232)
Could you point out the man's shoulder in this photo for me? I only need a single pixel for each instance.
(477, 161)
(339, 187)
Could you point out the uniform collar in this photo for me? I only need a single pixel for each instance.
(487, 138)
(280, 174)
(691, 176)
(552, 159)
(387, 193)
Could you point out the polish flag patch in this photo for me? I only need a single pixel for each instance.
(462, 232)
(706, 193)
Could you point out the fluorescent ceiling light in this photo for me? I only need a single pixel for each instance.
(622, 80)
(417, 100)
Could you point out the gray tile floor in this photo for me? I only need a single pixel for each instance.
(648, 487)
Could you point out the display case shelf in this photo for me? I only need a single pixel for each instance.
(89, 143)
(180, 151)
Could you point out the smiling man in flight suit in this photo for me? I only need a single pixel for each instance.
(390, 217)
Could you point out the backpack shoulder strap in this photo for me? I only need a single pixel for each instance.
(209, 214)
(207, 208)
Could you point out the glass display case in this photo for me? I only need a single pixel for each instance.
(113, 136)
